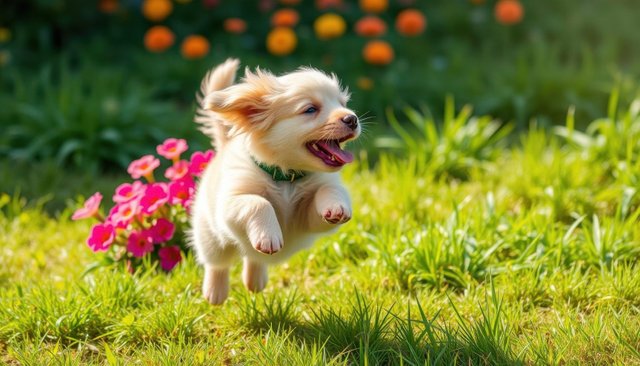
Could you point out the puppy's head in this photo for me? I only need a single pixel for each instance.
(295, 121)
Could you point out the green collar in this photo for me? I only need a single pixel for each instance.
(278, 174)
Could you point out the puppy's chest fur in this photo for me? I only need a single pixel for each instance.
(292, 202)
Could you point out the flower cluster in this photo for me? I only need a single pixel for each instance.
(282, 39)
(160, 38)
(148, 215)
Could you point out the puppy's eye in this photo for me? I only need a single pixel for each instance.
(310, 110)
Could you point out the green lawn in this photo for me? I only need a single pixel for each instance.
(467, 247)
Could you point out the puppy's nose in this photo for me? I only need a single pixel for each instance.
(351, 121)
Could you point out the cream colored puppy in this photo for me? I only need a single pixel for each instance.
(274, 185)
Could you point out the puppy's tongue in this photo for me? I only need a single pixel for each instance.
(333, 147)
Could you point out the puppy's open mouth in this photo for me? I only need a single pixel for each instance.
(330, 152)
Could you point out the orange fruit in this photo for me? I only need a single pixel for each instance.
(281, 41)
(285, 18)
(374, 6)
(508, 12)
(411, 22)
(158, 38)
(370, 26)
(329, 26)
(157, 10)
(194, 46)
(378, 53)
(235, 25)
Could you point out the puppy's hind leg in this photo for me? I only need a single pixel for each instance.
(254, 275)
(216, 260)
(215, 285)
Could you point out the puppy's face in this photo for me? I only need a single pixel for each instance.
(296, 121)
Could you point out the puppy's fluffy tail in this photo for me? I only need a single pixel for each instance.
(216, 79)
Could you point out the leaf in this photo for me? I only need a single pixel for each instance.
(449, 110)
(111, 358)
(572, 228)
(60, 320)
(111, 135)
(414, 117)
(404, 134)
(571, 119)
(597, 234)
(575, 137)
(389, 142)
(68, 148)
(613, 104)
(128, 320)
(4, 199)
(106, 261)
(32, 112)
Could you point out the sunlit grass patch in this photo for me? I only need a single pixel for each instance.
(529, 257)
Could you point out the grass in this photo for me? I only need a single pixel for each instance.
(527, 255)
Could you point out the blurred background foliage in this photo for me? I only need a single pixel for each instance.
(95, 84)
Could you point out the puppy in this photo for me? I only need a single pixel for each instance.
(274, 185)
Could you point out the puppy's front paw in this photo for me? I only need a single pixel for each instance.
(267, 243)
(336, 213)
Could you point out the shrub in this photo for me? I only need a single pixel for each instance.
(451, 149)
(94, 118)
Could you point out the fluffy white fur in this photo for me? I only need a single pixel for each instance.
(239, 210)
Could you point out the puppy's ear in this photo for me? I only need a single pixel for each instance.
(247, 105)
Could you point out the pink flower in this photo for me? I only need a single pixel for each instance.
(127, 191)
(162, 231)
(155, 195)
(172, 148)
(143, 167)
(139, 243)
(169, 257)
(199, 161)
(178, 171)
(180, 192)
(102, 235)
(122, 214)
(90, 208)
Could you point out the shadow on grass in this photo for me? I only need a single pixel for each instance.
(365, 333)
(261, 313)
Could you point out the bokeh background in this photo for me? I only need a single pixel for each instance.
(91, 85)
